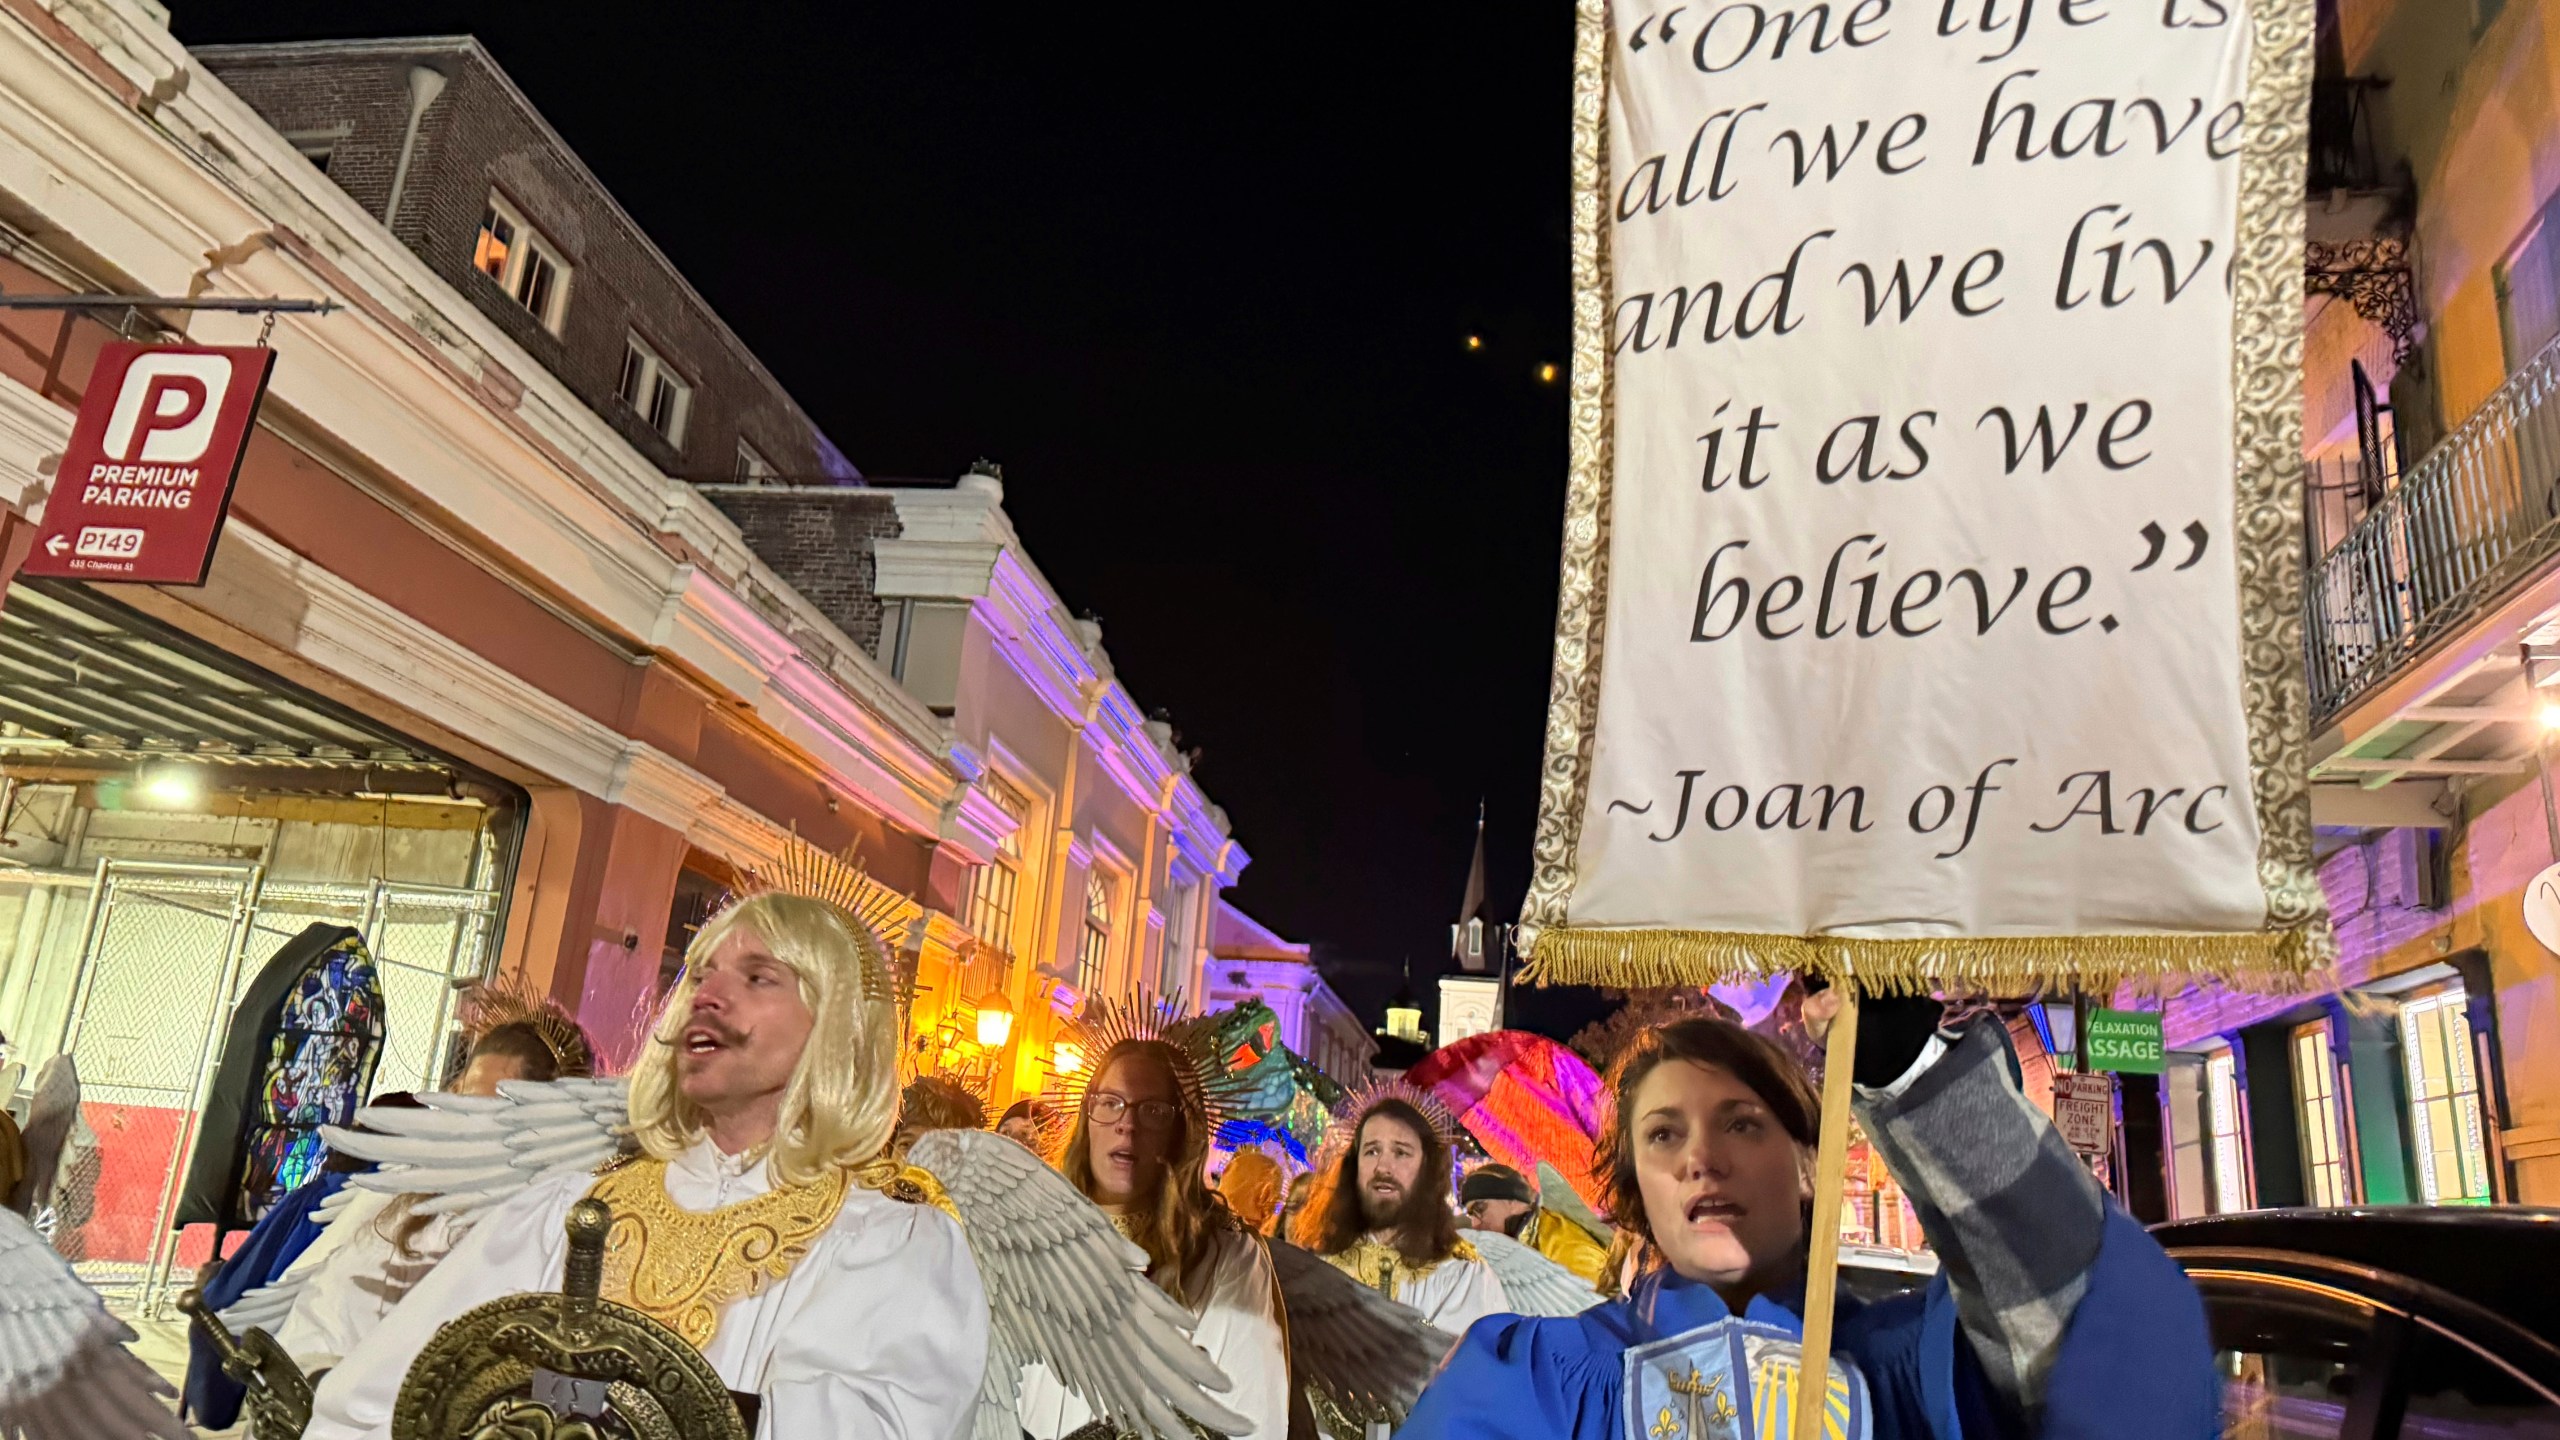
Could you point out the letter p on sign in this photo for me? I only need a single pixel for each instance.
(166, 408)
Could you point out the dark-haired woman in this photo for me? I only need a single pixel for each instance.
(2053, 1314)
(1140, 1151)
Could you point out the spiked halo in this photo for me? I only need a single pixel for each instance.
(487, 1004)
(869, 908)
(1354, 1107)
(1210, 1093)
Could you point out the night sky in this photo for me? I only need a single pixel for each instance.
(1203, 288)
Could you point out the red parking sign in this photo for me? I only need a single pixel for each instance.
(142, 492)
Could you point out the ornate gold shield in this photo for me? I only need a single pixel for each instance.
(569, 1366)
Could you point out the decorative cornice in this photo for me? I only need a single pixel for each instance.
(958, 545)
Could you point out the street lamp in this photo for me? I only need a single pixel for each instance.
(1067, 1058)
(995, 1020)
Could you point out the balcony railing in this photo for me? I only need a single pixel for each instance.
(2479, 513)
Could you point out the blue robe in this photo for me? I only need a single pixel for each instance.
(211, 1397)
(2135, 1362)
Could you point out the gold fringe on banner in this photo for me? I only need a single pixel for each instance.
(2287, 961)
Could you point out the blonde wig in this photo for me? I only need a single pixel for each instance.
(842, 1101)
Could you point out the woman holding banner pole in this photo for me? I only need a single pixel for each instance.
(2053, 1313)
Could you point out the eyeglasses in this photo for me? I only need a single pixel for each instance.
(1105, 1108)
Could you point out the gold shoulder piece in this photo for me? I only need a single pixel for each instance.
(1465, 1250)
(910, 1184)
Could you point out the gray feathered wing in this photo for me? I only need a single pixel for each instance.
(64, 1371)
(467, 1154)
(1534, 1284)
(1366, 1356)
(1065, 1291)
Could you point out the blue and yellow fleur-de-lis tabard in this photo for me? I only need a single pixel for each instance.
(1733, 1380)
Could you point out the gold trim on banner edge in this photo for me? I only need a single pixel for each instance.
(1573, 693)
(2296, 946)
(2271, 961)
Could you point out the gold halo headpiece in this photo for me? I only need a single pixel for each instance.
(486, 1005)
(869, 908)
(1354, 1108)
(1210, 1092)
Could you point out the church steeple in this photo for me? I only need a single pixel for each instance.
(1467, 936)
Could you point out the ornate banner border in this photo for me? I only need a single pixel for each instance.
(2267, 311)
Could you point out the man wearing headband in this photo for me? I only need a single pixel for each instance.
(1497, 1197)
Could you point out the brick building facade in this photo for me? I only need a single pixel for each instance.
(819, 539)
(348, 106)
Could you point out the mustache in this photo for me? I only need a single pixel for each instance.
(721, 1031)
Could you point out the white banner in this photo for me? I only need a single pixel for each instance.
(1926, 563)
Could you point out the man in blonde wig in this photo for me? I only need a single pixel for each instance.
(768, 1090)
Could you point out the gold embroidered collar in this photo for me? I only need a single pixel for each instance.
(1383, 1267)
(682, 1267)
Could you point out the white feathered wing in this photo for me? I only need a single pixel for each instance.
(267, 1306)
(64, 1371)
(1065, 1291)
(1534, 1284)
(464, 1154)
(469, 1153)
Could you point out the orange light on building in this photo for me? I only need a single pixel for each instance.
(995, 1021)
(1067, 1059)
(1547, 374)
(1475, 342)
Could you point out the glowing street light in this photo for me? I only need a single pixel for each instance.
(995, 1021)
(1547, 374)
(2550, 714)
(1475, 342)
(1067, 1059)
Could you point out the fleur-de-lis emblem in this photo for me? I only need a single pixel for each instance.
(1664, 1427)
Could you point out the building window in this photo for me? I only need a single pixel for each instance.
(523, 263)
(1093, 955)
(2444, 1098)
(2222, 1117)
(2315, 1084)
(317, 149)
(992, 891)
(996, 887)
(752, 468)
(654, 391)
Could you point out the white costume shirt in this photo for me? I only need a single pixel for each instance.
(1239, 1329)
(1455, 1295)
(879, 1333)
(358, 1273)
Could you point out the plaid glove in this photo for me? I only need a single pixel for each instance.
(2013, 1214)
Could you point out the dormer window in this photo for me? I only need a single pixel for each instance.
(523, 263)
(654, 391)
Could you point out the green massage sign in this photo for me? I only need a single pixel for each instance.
(2125, 1040)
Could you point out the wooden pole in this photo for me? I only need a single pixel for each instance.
(1822, 1250)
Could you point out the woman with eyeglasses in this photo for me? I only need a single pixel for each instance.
(1139, 1149)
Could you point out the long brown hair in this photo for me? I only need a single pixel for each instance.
(1179, 1227)
(1332, 1221)
(1746, 1055)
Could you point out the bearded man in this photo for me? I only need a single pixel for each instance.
(1499, 1198)
(1383, 1215)
(767, 1092)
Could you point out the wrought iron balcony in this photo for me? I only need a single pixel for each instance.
(2477, 515)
